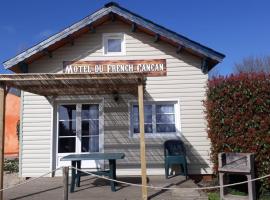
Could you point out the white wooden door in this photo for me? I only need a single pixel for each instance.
(78, 128)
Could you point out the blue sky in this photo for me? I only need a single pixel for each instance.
(237, 28)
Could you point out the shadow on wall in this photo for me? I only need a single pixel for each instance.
(118, 139)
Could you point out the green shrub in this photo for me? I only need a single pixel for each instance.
(238, 116)
(213, 196)
(11, 166)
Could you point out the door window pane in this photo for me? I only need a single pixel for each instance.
(66, 145)
(67, 112)
(67, 128)
(90, 127)
(90, 111)
(90, 144)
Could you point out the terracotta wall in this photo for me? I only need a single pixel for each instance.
(12, 118)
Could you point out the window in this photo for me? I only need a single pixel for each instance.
(159, 118)
(78, 128)
(113, 44)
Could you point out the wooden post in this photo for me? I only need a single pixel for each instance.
(2, 135)
(65, 182)
(142, 142)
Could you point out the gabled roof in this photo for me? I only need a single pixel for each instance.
(109, 12)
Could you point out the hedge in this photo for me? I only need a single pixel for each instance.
(238, 116)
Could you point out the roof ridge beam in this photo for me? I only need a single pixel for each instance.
(112, 16)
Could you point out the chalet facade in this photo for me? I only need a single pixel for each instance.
(58, 121)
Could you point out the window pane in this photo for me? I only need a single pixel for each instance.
(147, 113)
(147, 118)
(136, 128)
(148, 109)
(90, 111)
(162, 128)
(66, 145)
(67, 112)
(148, 128)
(67, 128)
(90, 127)
(90, 144)
(135, 118)
(165, 118)
(114, 45)
(165, 108)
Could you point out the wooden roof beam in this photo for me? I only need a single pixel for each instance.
(205, 65)
(133, 27)
(157, 38)
(91, 28)
(48, 53)
(70, 39)
(179, 49)
(23, 67)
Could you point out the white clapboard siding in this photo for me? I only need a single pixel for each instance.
(184, 82)
(36, 135)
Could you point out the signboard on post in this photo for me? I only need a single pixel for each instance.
(155, 67)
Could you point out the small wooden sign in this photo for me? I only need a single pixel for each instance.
(155, 67)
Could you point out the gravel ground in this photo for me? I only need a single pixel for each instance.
(11, 179)
(98, 189)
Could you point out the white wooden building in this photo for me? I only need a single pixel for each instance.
(59, 124)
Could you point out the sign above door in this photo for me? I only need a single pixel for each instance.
(154, 67)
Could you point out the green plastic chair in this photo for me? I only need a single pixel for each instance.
(175, 154)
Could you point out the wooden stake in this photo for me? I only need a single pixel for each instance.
(142, 142)
(65, 182)
(2, 135)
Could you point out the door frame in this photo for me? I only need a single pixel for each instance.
(75, 100)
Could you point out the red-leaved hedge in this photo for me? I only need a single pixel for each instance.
(238, 116)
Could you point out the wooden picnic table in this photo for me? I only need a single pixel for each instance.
(76, 163)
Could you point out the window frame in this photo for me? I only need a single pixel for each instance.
(78, 119)
(106, 37)
(155, 133)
